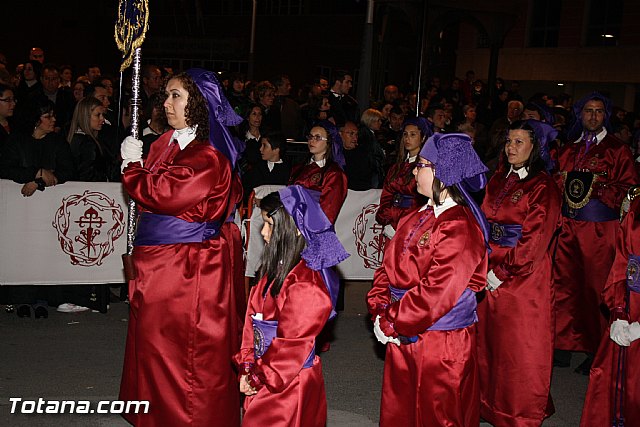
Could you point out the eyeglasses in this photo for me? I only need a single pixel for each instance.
(424, 165)
(9, 100)
(316, 138)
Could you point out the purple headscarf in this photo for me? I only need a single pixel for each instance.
(323, 249)
(336, 142)
(221, 114)
(545, 133)
(457, 163)
(576, 128)
(421, 123)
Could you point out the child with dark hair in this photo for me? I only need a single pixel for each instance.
(272, 169)
(279, 371)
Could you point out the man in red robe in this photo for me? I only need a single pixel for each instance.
(595, 172)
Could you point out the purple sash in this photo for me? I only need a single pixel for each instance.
(505, 234)
(594, 211)
(154, 229)
(462, 315)
(633, 273)
(403, 201)
(264, 331)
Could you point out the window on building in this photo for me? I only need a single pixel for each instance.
(605, 20)
(545, 23)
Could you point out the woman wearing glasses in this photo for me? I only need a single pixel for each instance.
(423, 299)
(323, 171)
(399, 194)
(516, 328)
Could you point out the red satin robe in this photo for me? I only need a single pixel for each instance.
(182, 330)
(586, 249)
(399, 179)
(599, 402)
(292, 395)
(330, 181)
(231, 233)
(510, 352)
(434, 381)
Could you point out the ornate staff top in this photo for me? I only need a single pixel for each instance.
(131, 27)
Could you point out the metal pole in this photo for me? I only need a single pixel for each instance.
(135, 109)
(364, 77)
(421, 60)
(252, 42)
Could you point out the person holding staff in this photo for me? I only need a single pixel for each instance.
(183, 325)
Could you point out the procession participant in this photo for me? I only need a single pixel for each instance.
(279, 371)
(613, 396)
(324, 170)
(183, 325)
(399, 196)
(595, 171)
(522, 205)
(423, 298)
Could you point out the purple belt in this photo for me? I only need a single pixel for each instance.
(505, 234)
(154, 229)
(594, 211)
(264, 331)
(403, 201)
(633, 273)
(462, 315)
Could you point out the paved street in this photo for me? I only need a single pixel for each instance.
(79, 356)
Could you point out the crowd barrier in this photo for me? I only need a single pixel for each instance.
(75, 233)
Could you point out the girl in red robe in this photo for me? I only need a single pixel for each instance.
(423, 298)
(613, 396)
(183, 324)
(279, 371)
(522, 205)
(324, 170)
(399, 195)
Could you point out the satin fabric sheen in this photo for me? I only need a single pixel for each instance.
(585, 249)
(599, 401)
(183, 325)
(397, 182)
(433, 382)
(512, 353)
(291, 396)
(333, 188)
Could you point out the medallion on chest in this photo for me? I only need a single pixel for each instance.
(315, 178)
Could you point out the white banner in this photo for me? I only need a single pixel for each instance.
(74, 233)
(356, 227)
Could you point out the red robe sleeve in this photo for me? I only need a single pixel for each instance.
(458, 251)
(614, 291)
(197, 174)
(612, 188)
(538, 227)
(334, 192)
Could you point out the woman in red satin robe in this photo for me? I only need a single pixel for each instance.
(423, 296)
(609, 397)
(183, 325)
(399, 196)
(279, 371)
(323, 172)
(522, 205)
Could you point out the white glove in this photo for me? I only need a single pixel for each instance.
(619, 332)
(492, 281)
(381, 336)
(389, 231)
(634, 331)
(130, 151)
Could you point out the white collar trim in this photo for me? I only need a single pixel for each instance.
(184, 136)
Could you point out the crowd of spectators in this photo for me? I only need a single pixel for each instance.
(59, 123)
